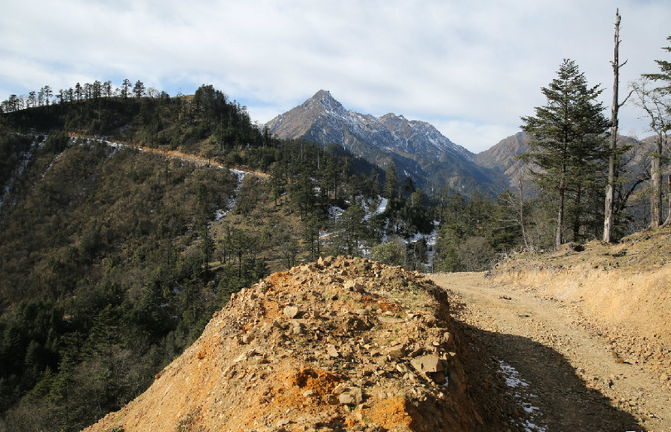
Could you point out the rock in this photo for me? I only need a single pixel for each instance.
(346, 399)
(388, 320)
(279, 325)
(427, 364)
(332, 351)
(291, 311)
(396, 353)
(351, 397)
(244, 356)
(357, 324)
(415, 352)
(298, 327)
(339, 389)
(353, 285)
(402, 368)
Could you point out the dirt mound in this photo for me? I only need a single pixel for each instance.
(623, 291)
(342, 344)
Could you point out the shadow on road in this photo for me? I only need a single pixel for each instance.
(564, 401)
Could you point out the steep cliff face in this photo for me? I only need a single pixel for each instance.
(422, 138)
(341, 344)
(417, 148)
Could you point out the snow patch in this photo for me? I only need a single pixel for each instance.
(335, 213)
(512, 376)
(515, 381)
(219, 214)
(382, 207)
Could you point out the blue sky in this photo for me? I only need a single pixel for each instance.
(470, 68)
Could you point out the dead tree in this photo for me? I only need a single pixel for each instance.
(612, 158)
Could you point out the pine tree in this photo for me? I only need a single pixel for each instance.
(139, 89)
(47, 93)
(125, 88)
(567, 140)
(391, 180)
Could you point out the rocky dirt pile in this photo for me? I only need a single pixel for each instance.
(622, 292)
(341, 344)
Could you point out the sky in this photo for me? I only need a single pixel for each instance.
(471, 69)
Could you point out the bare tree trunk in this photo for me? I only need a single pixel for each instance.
(560, 214)
(650, 101)
(668, 215)
(521, 213)
(656, 187)
(610, 187)
(578, 213)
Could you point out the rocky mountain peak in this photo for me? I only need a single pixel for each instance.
(392, 117)
(323, 101)
(416, 148)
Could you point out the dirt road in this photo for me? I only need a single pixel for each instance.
(173, 154)
(565, 378)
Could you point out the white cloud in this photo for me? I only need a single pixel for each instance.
(470, 68)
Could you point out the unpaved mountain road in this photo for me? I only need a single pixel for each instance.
(573, 377)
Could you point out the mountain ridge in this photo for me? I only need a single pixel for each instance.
(416, 147)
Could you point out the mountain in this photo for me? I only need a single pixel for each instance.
(417, 148)
(501, 157)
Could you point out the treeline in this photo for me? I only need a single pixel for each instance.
(308, 178)
(94, 91)
(157, 121)
(579, 164)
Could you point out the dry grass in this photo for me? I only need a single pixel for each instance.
(623, 289)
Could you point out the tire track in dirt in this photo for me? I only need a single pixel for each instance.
(573, 377)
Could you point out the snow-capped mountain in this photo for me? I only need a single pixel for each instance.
(421, 137)
(417, 148)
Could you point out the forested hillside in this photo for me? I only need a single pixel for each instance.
(104, 277)
(114, 259)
